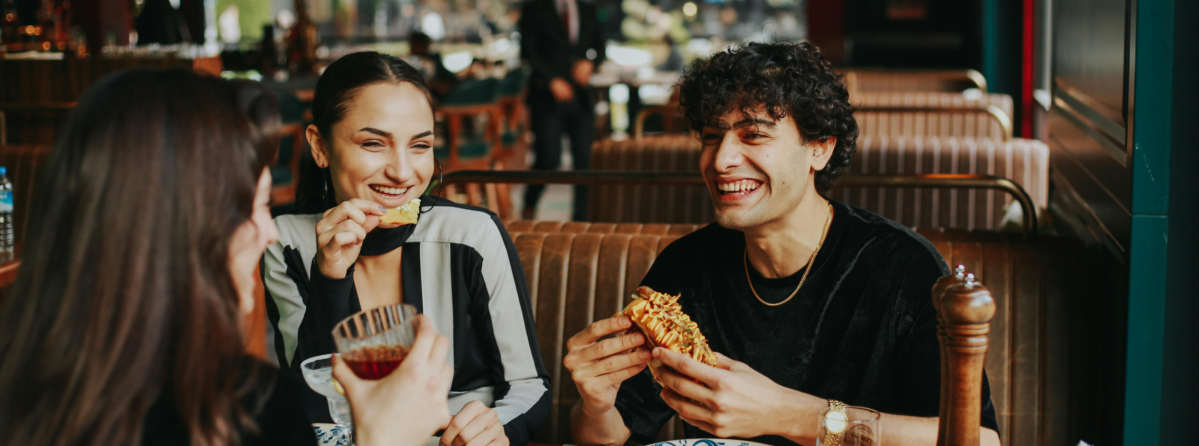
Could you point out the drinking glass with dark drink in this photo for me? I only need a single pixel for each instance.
(373, 342)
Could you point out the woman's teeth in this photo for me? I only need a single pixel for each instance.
(743, 186)
(390, 190)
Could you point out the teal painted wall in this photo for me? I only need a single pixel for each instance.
(1001, 47)
(1180, 362)
(1161, 392)
(1152, 122)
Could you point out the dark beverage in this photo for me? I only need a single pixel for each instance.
(375, 362)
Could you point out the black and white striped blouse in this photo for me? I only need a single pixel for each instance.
(459, 268)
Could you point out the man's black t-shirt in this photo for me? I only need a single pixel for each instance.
(861, 330)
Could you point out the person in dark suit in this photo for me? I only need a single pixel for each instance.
(563, 44)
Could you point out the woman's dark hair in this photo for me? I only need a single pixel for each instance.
(124, 297)
(784, 79)
(335, 93)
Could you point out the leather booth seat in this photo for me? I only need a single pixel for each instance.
(582, 272)
(1022, 160)
(924, 114)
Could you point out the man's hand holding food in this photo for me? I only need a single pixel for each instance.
(734, 400)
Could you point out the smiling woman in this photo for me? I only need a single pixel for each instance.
(372, 142)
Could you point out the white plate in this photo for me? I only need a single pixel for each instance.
(708, 442)
(328, 434)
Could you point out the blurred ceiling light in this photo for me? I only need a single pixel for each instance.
(689, 9)
(700, 47)
(432, 26)
(619, 93)
(230, 25)
(629, 57)
(285, 18)
(458, 61)
(501, 45)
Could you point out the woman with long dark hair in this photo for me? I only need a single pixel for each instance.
(372, 143)
(124, 324)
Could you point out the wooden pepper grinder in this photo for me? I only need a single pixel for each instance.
(958, 277)
(966, 310)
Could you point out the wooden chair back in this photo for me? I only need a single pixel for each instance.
(477, 100)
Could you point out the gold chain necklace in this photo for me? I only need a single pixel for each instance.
(811, 261)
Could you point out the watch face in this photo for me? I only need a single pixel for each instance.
(836, 420)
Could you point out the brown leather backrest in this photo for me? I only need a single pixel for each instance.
(956, 114)
(649, 204)
(576, 278)
(955, 81)
(1024, 161)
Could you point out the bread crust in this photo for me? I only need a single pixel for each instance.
(407, 214)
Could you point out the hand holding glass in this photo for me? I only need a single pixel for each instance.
(374, 342)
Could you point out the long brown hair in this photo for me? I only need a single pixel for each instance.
(124, 296)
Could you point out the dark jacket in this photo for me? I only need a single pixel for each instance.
(546, 46)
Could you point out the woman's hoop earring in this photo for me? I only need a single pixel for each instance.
(440, 177)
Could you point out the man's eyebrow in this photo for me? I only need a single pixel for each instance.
(754, 122)
(421, 135)
(748, 122)
(376, 131)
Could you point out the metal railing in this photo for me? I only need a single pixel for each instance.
(599, 177)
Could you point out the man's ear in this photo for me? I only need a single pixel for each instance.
(822, 151)
(317, 144)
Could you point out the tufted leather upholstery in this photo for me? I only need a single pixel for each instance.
(1024, 161)
(867, 80)
(577, 274)
(958, 115)
(650, 204)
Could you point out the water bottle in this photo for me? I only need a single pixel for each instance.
(6, 206)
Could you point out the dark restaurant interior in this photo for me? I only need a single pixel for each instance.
(1042, 145)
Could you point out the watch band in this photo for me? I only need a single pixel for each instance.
(832, 432)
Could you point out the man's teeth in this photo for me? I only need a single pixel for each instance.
(390, 190)
(738, 186)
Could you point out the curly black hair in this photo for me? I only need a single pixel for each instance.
(786, 79)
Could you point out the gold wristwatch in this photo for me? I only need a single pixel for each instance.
(835, 422)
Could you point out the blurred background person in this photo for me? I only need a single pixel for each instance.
(563, 43)
(439, 79)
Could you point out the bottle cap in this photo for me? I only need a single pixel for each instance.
(3, 170)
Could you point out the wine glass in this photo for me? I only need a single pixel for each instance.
(318, 373)
(374, 341)
(848, 426)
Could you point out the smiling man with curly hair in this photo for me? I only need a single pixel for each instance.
(808, 302)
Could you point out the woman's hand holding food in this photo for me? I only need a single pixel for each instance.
(340, 232)
(731, 399)
(475, 425)
(408, 406)
(598, 365)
